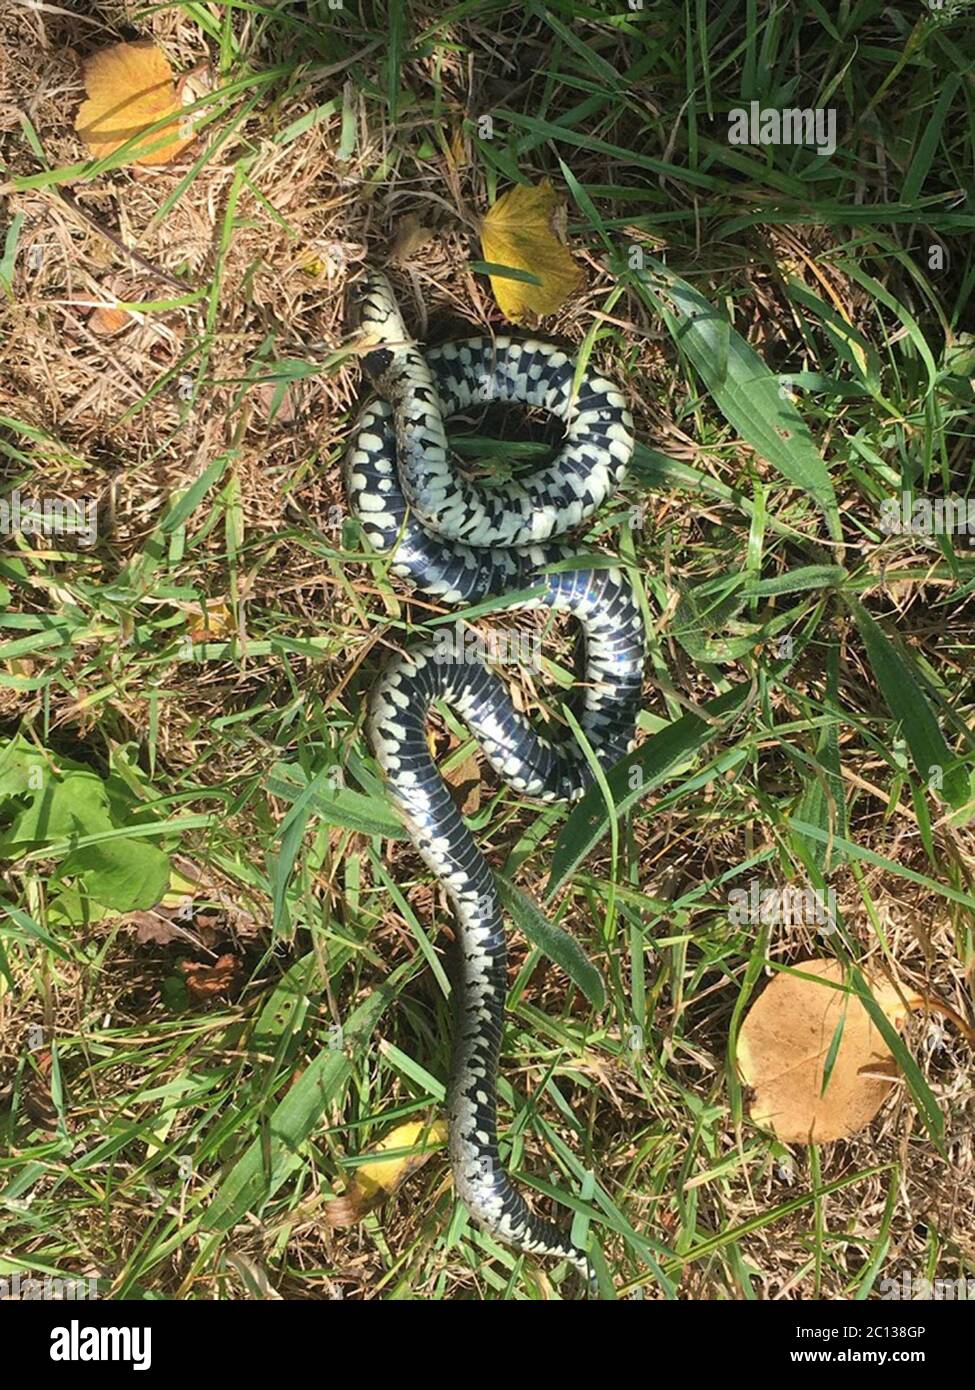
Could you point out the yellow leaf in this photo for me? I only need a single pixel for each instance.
(519, 233)
(379, 1176)
(312, 264)
(385, 1174)
(784, 1044)
(458, 148)
(215, 618)
(130, 87)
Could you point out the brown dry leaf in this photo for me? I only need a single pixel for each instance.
(376, 1179)
(204, 982)
(108, 318)
(155, 926)
(36, 1096)
(520, 232)
(280, 403)
(411, 237)
(197, 83)
(464, 782)
(784, 1044)
(130, 86)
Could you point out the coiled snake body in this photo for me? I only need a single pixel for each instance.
(459, 543)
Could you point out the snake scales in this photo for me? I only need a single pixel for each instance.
(459, 543)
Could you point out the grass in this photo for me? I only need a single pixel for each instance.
(795, 333)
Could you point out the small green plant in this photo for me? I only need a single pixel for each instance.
(52, 807)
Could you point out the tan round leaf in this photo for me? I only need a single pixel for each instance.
(784, 1044)
(108, 319)
(130, 87)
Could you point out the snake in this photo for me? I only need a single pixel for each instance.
(458, 540)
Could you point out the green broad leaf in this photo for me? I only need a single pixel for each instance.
(72, 908)
(126, 805)
(60, 807)
(284, 1012)
(934, 761)
(704, 610)
(23, 767)
(45, 797)
(636, 775)
(746, 392)
(552, 941)
(370, 815)
(273, 1157)
(124, 874)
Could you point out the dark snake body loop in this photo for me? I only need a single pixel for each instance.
(459, 543)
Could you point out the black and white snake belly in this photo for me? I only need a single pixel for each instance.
(459, 543)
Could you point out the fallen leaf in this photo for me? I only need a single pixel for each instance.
(155, 926)
(784, 1043)
(130, 86)
(519, 232)
(377, 1177)
(411, 237)
(464, 782)
(108, 318)
(255, 1277)
(36, 1099)
(204, 982)
(185, 879)
(281, 402)
(197, 83)
(206, 621)
(458, 148)
(312, 264)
